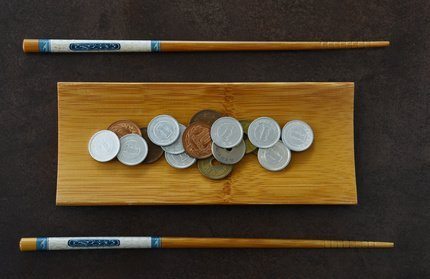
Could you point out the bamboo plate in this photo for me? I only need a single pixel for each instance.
(324, 174)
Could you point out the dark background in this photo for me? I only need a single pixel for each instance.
(391, 135)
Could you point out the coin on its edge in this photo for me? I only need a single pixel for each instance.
(104, 146)
(274, 158)
(124, 127)
(213, 169)
(197, 140)
(249, 146)
(207, 116)
(154, 151)
(179, 161)
(133, 151)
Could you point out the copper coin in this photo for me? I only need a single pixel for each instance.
(197, 140)
(124, 127)
(207, 116)
(154, 151)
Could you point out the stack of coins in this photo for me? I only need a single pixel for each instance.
(122, 139)
(215, 141)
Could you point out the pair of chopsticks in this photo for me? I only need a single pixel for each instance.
(80, 46)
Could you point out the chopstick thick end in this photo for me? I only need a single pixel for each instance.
(27, 244)
(30, 45)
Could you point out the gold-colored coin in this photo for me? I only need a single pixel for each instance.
(213, 169)
(249, 146)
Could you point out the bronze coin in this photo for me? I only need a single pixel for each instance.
(207, 116)
(197, 140)
(154, 151)
(213, 169)
(124, 127)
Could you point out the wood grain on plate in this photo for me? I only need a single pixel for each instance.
(324, 174)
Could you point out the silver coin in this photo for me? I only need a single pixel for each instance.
(274, 158)
(226, 132)
(133, 151)
(264, 132)
(104, 146)
(229, 156)
(176, 147)
(163, 130)
(297, 135)
(179, 161)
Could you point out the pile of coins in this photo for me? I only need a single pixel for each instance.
(215, 141)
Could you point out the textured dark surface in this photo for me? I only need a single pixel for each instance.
(391, 135)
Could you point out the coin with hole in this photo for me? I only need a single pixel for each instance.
(213, 169)
(249, 146)
(229, 156)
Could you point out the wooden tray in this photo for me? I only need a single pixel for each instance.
(324, 174)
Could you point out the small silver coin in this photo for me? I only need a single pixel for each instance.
(133, 151)
(274, 158)
(163, 130)
(104, 146)
(176, 147)
(226, 132)
(229, 156)
(264, 132)
(179, 161)
(297, 135)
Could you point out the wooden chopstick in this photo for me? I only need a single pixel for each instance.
(79, 46)
(76, 243)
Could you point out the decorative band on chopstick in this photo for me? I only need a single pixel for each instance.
(155, 46)
(64, 243)
(42, 244)
(44, 45)
(49, 46)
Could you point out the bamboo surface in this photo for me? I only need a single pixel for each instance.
(324, 174)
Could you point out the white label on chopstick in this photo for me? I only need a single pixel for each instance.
(95, 46)
(70, 243)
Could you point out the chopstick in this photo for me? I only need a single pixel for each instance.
(112, 242)
(79, 46)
